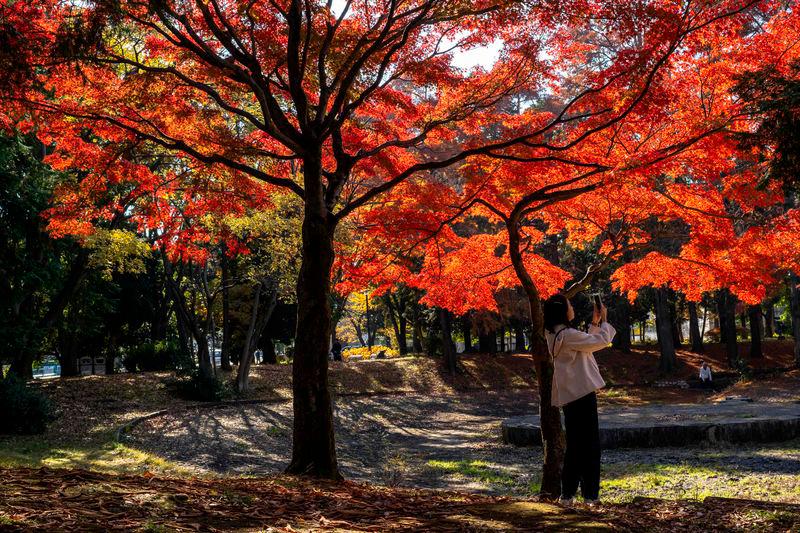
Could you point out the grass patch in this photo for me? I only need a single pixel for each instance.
(474, 470)
(622, 483)
(108, 457)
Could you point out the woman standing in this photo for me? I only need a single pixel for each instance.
(575, 380)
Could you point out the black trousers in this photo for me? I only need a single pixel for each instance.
(582, 458)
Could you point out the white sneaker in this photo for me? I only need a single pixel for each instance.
(566, 501)
(592, 503)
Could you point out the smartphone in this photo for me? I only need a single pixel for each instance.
(598, 303)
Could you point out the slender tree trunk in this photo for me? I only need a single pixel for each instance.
(502, 338)
(794, 307)
(675, 316)
(549, 416)
(519, 337)
(466, 329)
(111, 353)
(395, 313)
(370, 333)
(664, 331)
(743, 320)
(754, 312)
(695, 338)
(703, 327)
(313, 440)
(726, 304)
(487, 342)
(448, 350)
(402, 341)
(769, 319)
(246, 359)
(225, 355)
(416, 332)
(270, 355)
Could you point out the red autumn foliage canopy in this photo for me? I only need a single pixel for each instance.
(611, 119)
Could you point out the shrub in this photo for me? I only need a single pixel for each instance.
(151, 357)
(366, 353)
(195, 386)
(24, 411)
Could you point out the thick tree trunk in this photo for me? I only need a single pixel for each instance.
(695, 338)
(726, 305)
(448, 349)
(270, 355)
(313, 440)
(794, 309)
(622, 321)
(549, 416)
(402, 341)
(754, 311)
(487, 342)
(664, 331)
(67, 353)
(204, 358)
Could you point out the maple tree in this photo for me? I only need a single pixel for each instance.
(661, 178)
(223, 104)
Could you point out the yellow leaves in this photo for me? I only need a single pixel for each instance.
(366, 353)
(117, 250)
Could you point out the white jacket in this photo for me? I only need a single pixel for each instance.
(576, 373)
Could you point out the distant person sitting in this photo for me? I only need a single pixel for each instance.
(705, 375)
(336, 350)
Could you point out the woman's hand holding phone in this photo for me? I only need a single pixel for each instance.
(600, 311)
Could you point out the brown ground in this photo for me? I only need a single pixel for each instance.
(641, 366)
(88, 407)
(72, 500)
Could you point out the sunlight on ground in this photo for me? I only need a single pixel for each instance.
(695, 482)
(108, 457)
(479, 471)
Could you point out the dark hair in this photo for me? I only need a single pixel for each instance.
(555, 312)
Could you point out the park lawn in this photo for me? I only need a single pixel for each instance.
(84, 500)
